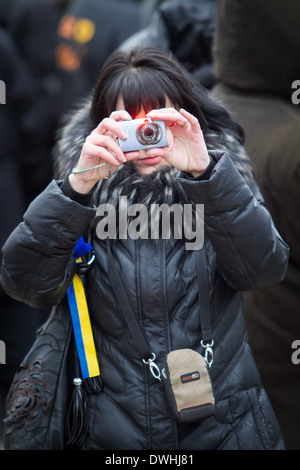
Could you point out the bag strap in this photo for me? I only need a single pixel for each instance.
(127, 312)
(207, 341)
(147, 355)
(203, 293)
(137, 332)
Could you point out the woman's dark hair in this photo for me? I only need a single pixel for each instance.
(144, 77)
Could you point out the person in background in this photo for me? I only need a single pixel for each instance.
(32, 26)
(27, 127)
(256, 58)
(186, 29)
(88, 32)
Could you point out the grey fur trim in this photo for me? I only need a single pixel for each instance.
(70, 139)
(79, 125)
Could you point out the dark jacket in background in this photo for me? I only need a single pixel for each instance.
(33, 87)
(23, 170)
(256, 54)
(185, 29)
(27, 122)
(89, 31)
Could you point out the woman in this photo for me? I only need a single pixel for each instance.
(203, 163)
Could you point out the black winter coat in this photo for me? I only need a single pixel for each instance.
(243, 251)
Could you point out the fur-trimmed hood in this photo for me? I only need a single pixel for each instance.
(125, 180)
(256, 45)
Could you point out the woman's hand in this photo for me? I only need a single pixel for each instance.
(187, 149)
(100, 147)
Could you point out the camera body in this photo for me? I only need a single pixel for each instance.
(143, 134)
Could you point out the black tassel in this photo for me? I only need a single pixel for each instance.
(93, 385)
(77, 419)
(76, 427)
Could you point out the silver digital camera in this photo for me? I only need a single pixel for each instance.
(143, 134)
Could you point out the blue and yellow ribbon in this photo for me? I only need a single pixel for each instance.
(81, 320)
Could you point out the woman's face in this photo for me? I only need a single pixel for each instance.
(145, 165)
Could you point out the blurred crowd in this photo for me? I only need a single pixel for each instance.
(244, 53)
(50, 54)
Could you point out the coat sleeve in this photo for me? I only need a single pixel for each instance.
(38, 263)
(250, 252)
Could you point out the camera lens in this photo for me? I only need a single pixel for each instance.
(149, 133)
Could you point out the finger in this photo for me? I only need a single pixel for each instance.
(132, 155)
(112, 126)
(192, 120)
(92, 151)
(163, 152)
(163, 113)
(120, 115)
(170, 116)
(163, 110)
(109, 143)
